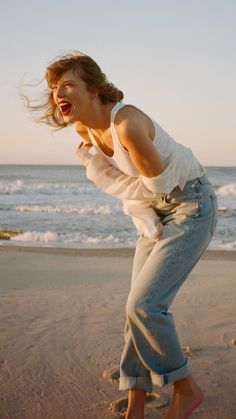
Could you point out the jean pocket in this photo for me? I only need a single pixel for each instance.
(187, 202)
(188, 208)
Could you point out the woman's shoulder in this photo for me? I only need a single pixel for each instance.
(131, 118)
(128, 112)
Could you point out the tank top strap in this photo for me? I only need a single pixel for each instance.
(93, 141)
(91, 137)
(115, 109)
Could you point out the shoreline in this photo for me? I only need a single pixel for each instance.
(229, 255)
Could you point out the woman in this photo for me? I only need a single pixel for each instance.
(172, 203)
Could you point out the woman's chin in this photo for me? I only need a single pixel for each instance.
(69, 119)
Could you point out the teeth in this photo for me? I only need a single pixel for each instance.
(64, 103)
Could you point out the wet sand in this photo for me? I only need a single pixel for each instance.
(62, 315)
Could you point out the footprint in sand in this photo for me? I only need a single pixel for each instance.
(112, 374)
(229, 342)
(119, 407)
(3, 363)
(157, 400)
(153, 401)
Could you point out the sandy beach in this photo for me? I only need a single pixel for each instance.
(62, 318)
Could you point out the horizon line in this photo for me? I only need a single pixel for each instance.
(80, 165)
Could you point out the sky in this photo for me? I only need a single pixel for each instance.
(175, 60)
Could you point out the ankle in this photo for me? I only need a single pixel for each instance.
(186, 386)
(134, 414)
(136, 404)
(136, 410)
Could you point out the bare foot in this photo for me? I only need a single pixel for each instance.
(186, 398)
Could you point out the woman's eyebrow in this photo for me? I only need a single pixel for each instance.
(62, 82)
(67, 81)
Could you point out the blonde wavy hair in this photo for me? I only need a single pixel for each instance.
(90, 73)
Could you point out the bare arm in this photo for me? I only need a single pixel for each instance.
(134, 136)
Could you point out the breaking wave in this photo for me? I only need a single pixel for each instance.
(227, 190)
(36, 236)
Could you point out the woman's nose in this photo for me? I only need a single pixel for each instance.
(60, 91)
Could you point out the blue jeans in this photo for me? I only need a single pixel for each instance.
(152, 354)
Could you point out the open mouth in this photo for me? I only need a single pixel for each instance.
(65, 107)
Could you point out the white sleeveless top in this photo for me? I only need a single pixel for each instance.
(120, 158)
(176, 158)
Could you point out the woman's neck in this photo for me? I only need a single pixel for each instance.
(99, 119)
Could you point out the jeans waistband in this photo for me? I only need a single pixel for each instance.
(203, 180)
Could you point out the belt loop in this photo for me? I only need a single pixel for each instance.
(201, 180)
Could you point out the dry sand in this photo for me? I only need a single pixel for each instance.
(62, 315)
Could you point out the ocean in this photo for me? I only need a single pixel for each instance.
(58, 206)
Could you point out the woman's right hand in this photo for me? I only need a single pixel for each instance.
(85, 144)
(83, 153)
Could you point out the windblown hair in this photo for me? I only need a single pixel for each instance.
(90, 73)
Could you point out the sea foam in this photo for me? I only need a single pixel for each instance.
(227, 190)
(36, 236)
(19, 187)
(9, 188)
(66, 209)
